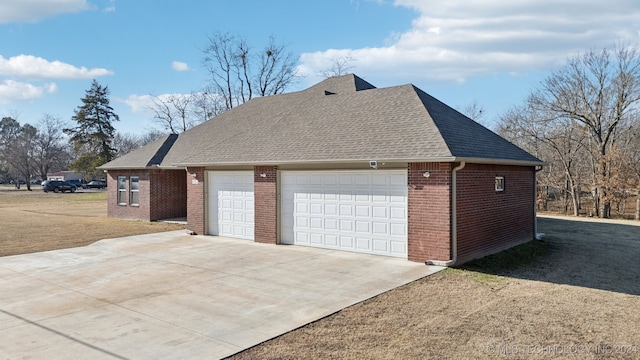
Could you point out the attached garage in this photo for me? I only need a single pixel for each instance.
(362, 211)
(231, 204)
(294, 168)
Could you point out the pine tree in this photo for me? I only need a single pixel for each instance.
(92, 138)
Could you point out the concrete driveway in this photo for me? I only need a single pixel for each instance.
(171, 295)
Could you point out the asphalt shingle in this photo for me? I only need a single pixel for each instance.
(341, 119)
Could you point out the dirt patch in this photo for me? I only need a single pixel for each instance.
(33, 221)
(580, 299)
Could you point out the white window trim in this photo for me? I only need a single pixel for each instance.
(121, 190)
(499, 185)
(131, 191)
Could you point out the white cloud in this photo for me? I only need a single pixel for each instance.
(11, 90)
(33, 10)
(455, 39)
(180, 66)
(111, 7)
(32, 67)
(139, 103)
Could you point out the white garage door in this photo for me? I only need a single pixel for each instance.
(231, 208)
(362, 211)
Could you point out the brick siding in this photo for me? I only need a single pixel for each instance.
(169, 194)
(429, 211)
(266, 211)
(195, 200)
(162, 195)
(490, 221)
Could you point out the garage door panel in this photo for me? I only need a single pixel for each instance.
(231, 204)
(380, 228)
(399, 213)
(315, 239)
(363, 227)
(398, 230)
(363, 244)
(362, 211)
(398, 247)
(346, 210)
(346, 242)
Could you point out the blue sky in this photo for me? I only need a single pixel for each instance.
(490, 52)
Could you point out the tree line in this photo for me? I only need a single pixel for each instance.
(237, 73)
(584, 122)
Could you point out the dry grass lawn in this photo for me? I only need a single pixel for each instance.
(33, 221)
(577, 297)
(574, 295)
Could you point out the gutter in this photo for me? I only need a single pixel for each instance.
(454, 220)
(351, 161)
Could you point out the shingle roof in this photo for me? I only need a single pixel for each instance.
(341, 119)
(149, 155)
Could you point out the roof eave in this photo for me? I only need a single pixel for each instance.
(500, 161)
(152, 167)
(346, 161)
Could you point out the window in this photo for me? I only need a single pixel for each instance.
(135, 190)
(499, 183)
(122, 190)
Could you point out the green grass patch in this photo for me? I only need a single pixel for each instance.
(510, 259)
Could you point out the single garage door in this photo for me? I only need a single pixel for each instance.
(231, 204)
(361, 211)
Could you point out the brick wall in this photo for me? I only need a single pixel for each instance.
(429, 212)
(127, 211)
(195, 200)
(490, 221)
(168, 194)
(266, 212)
(162, 195)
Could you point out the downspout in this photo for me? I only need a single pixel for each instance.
(454, 220)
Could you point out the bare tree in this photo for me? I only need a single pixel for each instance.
(552, 139)
(30, 151)
(630, 158)
(173, 112)
(51, 152)
(237, 74)
(339, 66)
(125, 143)
(207, 104)
(20, 154)
(595, 92)
(474, 111)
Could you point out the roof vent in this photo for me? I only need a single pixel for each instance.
(329, 93)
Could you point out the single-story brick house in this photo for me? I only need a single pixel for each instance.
(341, 165)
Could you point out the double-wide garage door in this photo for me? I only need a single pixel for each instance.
(363, 211)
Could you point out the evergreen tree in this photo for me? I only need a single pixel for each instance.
(92, 138)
